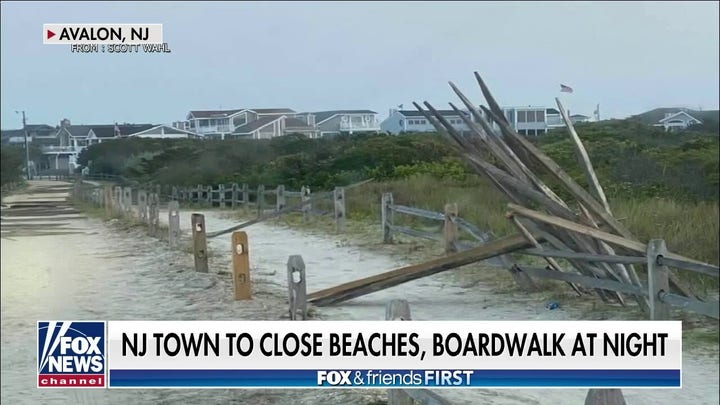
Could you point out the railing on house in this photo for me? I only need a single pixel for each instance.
(61, 149)
(367, 126)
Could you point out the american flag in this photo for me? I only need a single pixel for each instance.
(565, 89)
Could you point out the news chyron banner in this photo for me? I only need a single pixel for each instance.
(107, 38)
(360, 354)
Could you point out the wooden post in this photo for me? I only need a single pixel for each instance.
(297, 287)
(307, 206)
(398, 310)
(127, 200)
(604, 397)
(241, 266)
(117, 200)
(174, 193)
(234, 197)
(280, 198)
(657, 280)
(173, 223)
(339, 198)
(387, 217)
(199, 242)
(260, 199)
(209, 199)
(221, 197)
(142, 206)
(108, 201)
(199, 193)
(154, 214)
(245, 195)
(450, 229)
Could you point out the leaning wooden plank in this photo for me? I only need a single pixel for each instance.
(593, 232)
(551, 166)
(591, 282)
(487, 134)
(444, 132)
(584, 159)
(399, 276)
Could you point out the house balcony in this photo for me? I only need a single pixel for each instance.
(360, 126)
(213, 129)
(48, 150)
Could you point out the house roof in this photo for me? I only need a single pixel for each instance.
(214, 113)
(255, 125)
(321, 116)
(444, 113)
(579, 116)
(676, 115)
(166, 129)
(658, 114)
(273, 110)
(78, 131)
(108, 131)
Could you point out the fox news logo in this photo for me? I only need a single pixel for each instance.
(71, 354)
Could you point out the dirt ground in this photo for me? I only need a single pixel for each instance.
(72, 266)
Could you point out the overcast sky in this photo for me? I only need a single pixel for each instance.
(628, 57)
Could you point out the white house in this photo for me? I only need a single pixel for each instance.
(341, 121)
(533, 121)
(399, 121)
(677, 121)
(221, 123)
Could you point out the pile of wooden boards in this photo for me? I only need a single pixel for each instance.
(513, 164)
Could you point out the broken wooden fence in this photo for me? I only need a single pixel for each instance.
(452, 225)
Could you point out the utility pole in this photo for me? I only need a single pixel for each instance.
(27, 148)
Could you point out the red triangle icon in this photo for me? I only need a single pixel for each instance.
(50, 34)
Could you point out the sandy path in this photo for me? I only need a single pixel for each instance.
(98, 272)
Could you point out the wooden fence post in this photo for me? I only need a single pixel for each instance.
(221, 197)
(245, 195)
(154, 214)
(307, 206)
(173, 223)
(241, 266)
(398, 310)
(260, 199)
(108, 201)
(450, 229)
(604, 397)
(127, 200)
(387, 217)
(117, 201)
(142, 206)
(199, 242)
(657, 279)
(209, 199)
(234, 197)
(280, 198)
(339, 198)
(297, 287)
(174, 193)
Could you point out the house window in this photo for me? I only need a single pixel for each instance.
(522, 116)
(539, 116)
(522, 131)
(423, 122)
(530, 116)
(204, 123)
